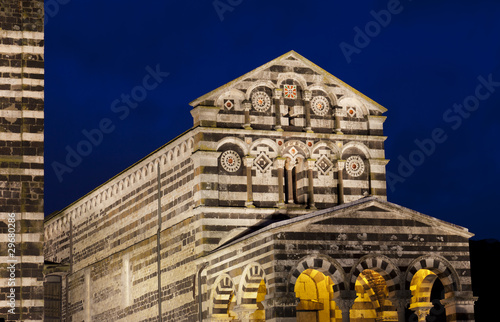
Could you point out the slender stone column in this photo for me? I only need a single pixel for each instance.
(340, 167)
(338, 113)
(307, 107)
(290, 164)
(280, 165)
(345, 302)
(248, 162)
(277, 97)
(401, 303)
(310, 186)
(247, 106)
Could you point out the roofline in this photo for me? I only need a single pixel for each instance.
(303, 59)
(457, 229)
(57, 212)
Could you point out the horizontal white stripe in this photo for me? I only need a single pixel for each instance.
(23, 259)
(21, 34)
(16, 49)
(19, 70)
(31, 94)
(26, 303)
(21, 114)
(31, 237)
(25, 281)
(7, 136)
(28, 172)
(21, 81)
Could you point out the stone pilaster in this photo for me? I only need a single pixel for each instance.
(307, 107)
(280, 165)
(248, 163)
(310, 180)
(340, 169)
(277, 98)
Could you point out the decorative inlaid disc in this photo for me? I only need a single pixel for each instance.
(261, 101)
(230, 161)
(319, 105)
(354, 166)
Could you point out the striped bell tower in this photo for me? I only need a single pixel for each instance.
(21, 157)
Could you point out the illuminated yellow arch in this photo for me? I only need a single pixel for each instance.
(315, 291)
(223, 297)
(438, 266)
(253, 290)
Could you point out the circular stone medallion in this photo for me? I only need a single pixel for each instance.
(354, 166)
(230, 161)
(261, 101)
(319, 105)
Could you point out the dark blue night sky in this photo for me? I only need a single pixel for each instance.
(435, 65)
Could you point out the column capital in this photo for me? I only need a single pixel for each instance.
(290, 163)
(277, 93)
(247, 105)
(279, 162)
(307, 95)
(340, 164)
(248, 161)
(310, 164)
(339, 111)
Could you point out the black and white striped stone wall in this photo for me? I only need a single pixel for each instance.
(21, 158)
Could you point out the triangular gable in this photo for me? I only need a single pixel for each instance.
(360, 206)
(291, 63)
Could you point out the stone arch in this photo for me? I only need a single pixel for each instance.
(170, 156)
(441, 267)
(324, 264)
(360, 146)
(329, 93)
(253, 86)
(222, 295)
(330, 145)
(190, 143)
(273, 147)
(294, 76)
(346, 102)
(251, 278)
(383, 266)
(299, 145)
(176, 152)
(233, 140)
(233, 93)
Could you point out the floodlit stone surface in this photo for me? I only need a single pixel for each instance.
(273, 207)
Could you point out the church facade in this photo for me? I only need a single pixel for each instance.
(272, 207)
